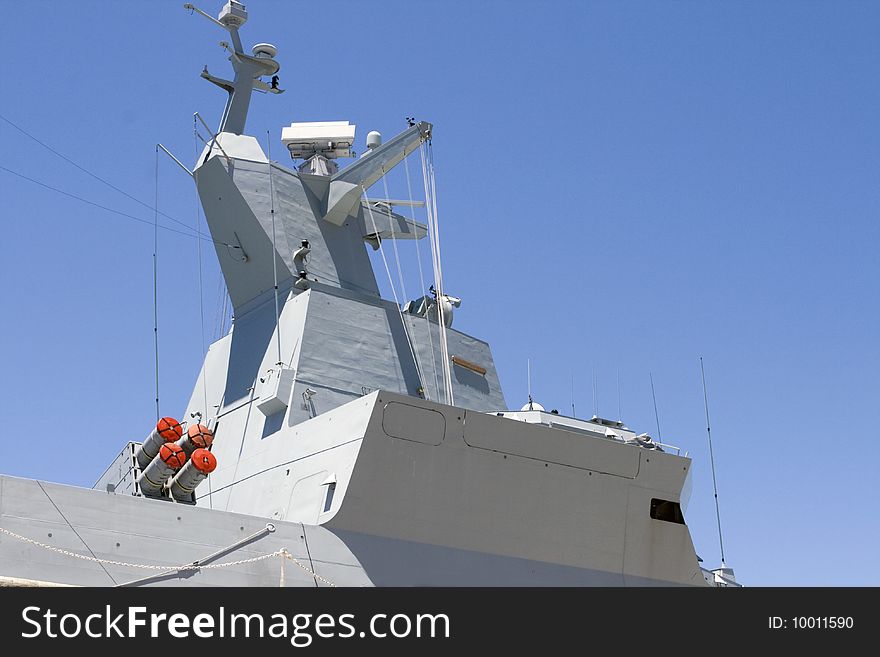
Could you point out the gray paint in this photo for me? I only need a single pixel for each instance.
(480, 392)
(338, 256)
(248, 271)
(149, 532)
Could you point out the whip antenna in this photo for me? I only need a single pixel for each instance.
(656, 414)
(712, 461)
(156, 280)
(529, 380)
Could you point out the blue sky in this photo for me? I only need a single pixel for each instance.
(622, 186)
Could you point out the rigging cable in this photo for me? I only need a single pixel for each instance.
(424, 290)
(712, 461)
(279, 362)
(595, 393)
(156, 281)
(121, 214)
(93, 175)
(443, 333)
(431, 206)
(201, 285)
(390, 278)
(656, 414)
(402, 284)
(393, 237)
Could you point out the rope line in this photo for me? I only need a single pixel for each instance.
(112, 562)
(286, 555)
(282, 553)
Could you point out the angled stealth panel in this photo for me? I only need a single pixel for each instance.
(547, 445)
(350, 345)
(248, 270)
(338, 255)
(379, 221)
(480, 392)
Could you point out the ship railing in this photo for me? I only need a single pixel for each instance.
(666, 447)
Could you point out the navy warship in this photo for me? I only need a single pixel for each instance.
(337, 438)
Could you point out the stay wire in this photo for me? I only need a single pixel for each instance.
(156, 281)
(424, 291)
(391, 282)
(201, 284)
(401, 280)
(93, 175)
(113, 211)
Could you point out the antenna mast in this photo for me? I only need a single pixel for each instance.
(248, 68)
(529, 380)
(619, 414)
(156, 280)
(656, 414)
(712, 461)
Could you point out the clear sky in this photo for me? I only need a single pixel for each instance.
(622, 187)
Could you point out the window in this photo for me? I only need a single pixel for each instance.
(328, 499)
(666, 511)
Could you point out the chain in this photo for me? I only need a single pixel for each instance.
(283, 553)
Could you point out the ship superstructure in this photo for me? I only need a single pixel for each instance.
(361, 440)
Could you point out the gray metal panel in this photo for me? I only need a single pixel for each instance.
(144, 531)
(650, 544)
(477, 500)
(347, 186)
(481, 392)
(257, 474)
(338, 255)
(208, 393)
(349, 344)
(472, 499)
(152, 532)
(251, 337)
(408, 422)
(406, 563)
(248, 271)
(386, 224)
(546, 445)
(120, 476)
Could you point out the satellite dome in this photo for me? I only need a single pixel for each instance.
(266, 50)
